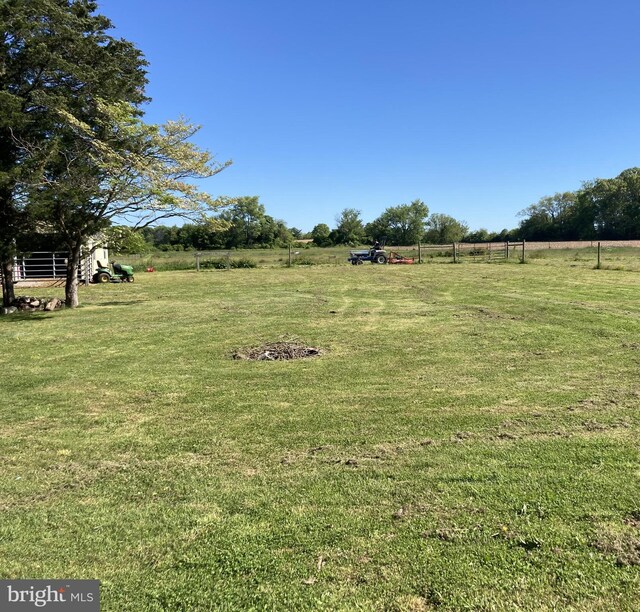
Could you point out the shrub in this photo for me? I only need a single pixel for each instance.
(302, 261)
(221, 263)
(243, 262)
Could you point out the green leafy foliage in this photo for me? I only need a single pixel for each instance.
(321, 235)
(222, 263)
(349, 230)
(80, 155)
(402, 225)
(608, 209)
(550, 218)
(55, 56)
(124, 239)
(444, 229)
(303, 260)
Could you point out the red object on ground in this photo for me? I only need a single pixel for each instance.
(151, 269)
(396, 258)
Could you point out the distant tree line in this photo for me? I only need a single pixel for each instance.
(602, 208)
(607, 209)
(245, 224)
(404, 224)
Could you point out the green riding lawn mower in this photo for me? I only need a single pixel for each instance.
(121, 273)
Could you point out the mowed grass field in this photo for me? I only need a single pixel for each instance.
(612, 258)
(469, 440)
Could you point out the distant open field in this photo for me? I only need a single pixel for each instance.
(172, 260)
(569, 254)
(580, 244)
(468, 439)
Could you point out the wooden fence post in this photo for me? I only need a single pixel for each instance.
(598, 266)
(419, 252)
(198, 262)
(523, 250)
(289, 254)
(455, 257)
(507, 251)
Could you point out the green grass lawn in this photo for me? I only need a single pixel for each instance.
(469, 440)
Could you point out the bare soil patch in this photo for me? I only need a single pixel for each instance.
(277, 351)
(624, 547)
(623, 543)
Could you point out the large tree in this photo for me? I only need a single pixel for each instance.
(118, 168)
(603, 208)
(402, 225)
(612, 206)
(245, 219)
(55, 55)
(550, 218)
(444, 229)
(349, 230)
(124, 239)
(321, 235)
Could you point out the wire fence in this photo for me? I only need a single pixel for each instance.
(611, 253)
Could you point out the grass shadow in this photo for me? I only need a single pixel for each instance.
(121, 303)
(26, 316)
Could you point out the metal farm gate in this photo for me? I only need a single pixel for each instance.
(481, 252)
(48, 265)
(490, 251)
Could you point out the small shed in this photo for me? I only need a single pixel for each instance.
(49, 268)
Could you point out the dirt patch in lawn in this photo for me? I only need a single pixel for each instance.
(277, 351)
(622, 541)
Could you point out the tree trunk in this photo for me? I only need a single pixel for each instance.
(8, 292)
(71, 284)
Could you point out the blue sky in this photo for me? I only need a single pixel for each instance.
(479, 108)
